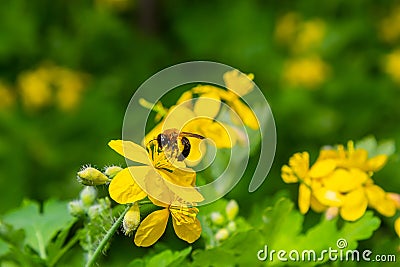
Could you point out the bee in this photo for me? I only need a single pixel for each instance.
(169, 141)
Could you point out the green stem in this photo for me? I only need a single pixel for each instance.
(64, 249)
(91, 260)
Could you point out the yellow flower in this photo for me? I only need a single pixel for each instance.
(339, 181)
(308, 72)
(353, 158)
(310, 180)
(392, 65)
(157, 177)
(299, 35)
(187, 227)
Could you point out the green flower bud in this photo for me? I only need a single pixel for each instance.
(91, 176)
(222, 234)
(76, 208)
(95, 211)
(131, 219)
(88, 195)
(112, 171)
(232, 209)
(231, 226)
(217, 218)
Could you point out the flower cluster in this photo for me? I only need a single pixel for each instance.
(340, 182)
(302, 38)
(51, 85)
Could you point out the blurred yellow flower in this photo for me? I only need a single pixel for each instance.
(339, 181)
(162, 180)
(7, 97)
(392, 65)
(50, 84)
(187, 227)
(34, 89)
(299, 35)
(389, 28)
(308, 72)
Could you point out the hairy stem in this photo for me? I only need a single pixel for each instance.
(92, 259)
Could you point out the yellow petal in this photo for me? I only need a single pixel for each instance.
(189, 232)
(185, 99)
(214, 131)
(299, 163)
(375, 194)
(153, 183)
(386, 207)
(354, 205)
(376, 163)
(238, 82)
(397, 226)
(245, 113)
(207, 105)
(123, 188)
(322, 168)
(152, 228)
(316, 205)
(328, 197)
(288, 175)
(304, 198)
(179, 176)
(130, 151)
(152, 135)
(178, 117)
(197, 151)
(345, 180)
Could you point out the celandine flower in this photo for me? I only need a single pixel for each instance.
(158, 177)
(339, 179)
(187, 227)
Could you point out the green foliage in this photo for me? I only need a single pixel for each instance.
(44, 230)
(165, 258)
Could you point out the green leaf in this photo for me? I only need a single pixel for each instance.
(283, 231)
(165, 258)
(39, 227)
(4, 249)
(240, 249)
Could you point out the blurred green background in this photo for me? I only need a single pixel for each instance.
(330, 71)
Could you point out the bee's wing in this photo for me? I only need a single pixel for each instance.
(187, 134)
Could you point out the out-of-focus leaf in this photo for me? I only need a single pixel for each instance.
(165, 258)
(40, 227)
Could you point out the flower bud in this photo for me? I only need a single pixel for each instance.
(88, 195)
(331, 213)
(94, 211)
(131, 219)
(221, 235)
(76, 208)
(112, 171)
(232, 209)
(231, 226)
(217, 218)
(92, 176)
